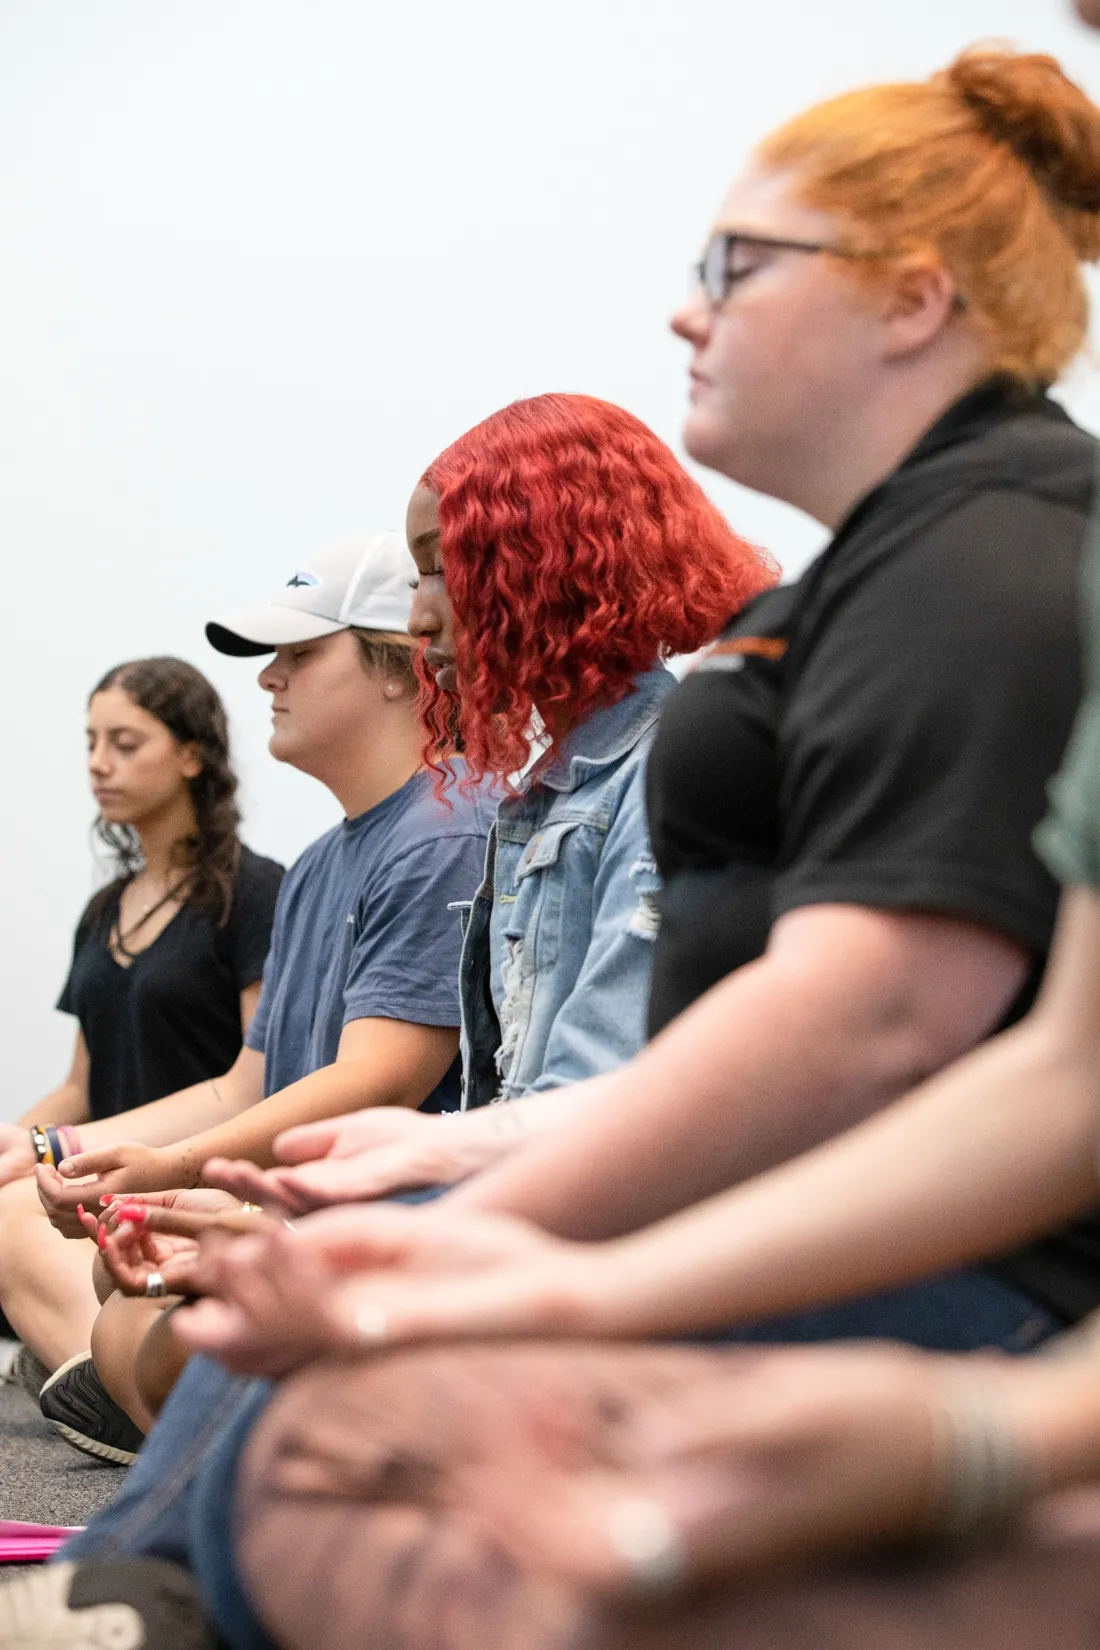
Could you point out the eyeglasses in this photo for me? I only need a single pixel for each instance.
(723, 262)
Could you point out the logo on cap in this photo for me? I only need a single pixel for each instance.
(302, 579)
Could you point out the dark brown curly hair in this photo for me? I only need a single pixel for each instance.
(180, 696)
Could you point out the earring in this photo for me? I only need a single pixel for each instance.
(391, 689)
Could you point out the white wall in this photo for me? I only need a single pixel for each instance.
(261, 259)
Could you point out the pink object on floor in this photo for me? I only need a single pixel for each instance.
(24, 1543)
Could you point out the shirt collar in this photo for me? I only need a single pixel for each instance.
(994, 400)
(609, 733)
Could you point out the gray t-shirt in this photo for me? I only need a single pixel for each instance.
(362, 930)
(1069, 837)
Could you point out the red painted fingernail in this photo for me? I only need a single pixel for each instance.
(133, 1212)
(101, 1237)
(108, 1197)
(80, 1210)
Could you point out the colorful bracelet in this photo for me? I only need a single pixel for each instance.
(70, 1141)
(54, 1143)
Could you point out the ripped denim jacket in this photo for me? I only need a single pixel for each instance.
(559, 938)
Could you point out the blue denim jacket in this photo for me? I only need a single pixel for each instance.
(559, 937)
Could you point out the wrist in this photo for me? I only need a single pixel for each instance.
(172, 1169)
(1053, 1412)
(52, 1143)
(580, 1297)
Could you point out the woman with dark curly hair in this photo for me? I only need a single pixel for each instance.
(168, 956)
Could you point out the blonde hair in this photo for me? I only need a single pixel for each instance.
(389, 653)
(994, 163)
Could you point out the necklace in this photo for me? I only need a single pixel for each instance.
(118, 938)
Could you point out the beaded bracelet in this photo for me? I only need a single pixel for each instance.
(40, 1141)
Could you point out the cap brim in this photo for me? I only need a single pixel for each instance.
(265, 628)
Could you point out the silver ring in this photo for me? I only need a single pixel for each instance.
(155, 1286)
(644, 1535)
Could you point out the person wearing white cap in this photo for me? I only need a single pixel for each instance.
(359, 1005)
(359, 583)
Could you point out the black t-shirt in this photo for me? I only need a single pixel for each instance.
(173, 1016)
(881, 732)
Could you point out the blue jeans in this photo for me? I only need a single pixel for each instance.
(960, 1312)
(177, 1499)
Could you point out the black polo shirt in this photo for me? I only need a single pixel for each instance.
(882, 731)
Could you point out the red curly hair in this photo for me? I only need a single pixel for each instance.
(577, 551)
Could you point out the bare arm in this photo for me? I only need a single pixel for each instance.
(250, 1002)
(996, 1150)
(68, 1102)
(375, 1153)
(379, 1062)
(846, 1010)
(203, 1106)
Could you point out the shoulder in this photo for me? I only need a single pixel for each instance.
(1006, 551)
(1007, 548)
(462, 810)
(257, 883)
(97, 914)
(256, 873)
(315, 855)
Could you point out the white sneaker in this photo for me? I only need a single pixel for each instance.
(121, 1604)
(9, 1352)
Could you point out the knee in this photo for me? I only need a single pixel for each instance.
(159, 1363)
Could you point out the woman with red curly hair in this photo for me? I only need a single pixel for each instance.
(564, 554)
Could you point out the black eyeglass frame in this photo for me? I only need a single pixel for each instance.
(715, 279)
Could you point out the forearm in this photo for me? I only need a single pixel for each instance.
(67, 1103)
(347, 1085)
(763, 1067)
(204, 1106)
(1052, 1408)
(999, 1148)
(513, 1122)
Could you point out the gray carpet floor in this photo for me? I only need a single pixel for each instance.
(42, 1479)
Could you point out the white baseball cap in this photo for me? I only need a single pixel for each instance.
(363, 581)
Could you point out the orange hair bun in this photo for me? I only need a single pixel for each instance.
(1026, 101)
(993, 163)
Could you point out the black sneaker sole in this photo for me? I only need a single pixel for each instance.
(81, 1440)
(91, 1446)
